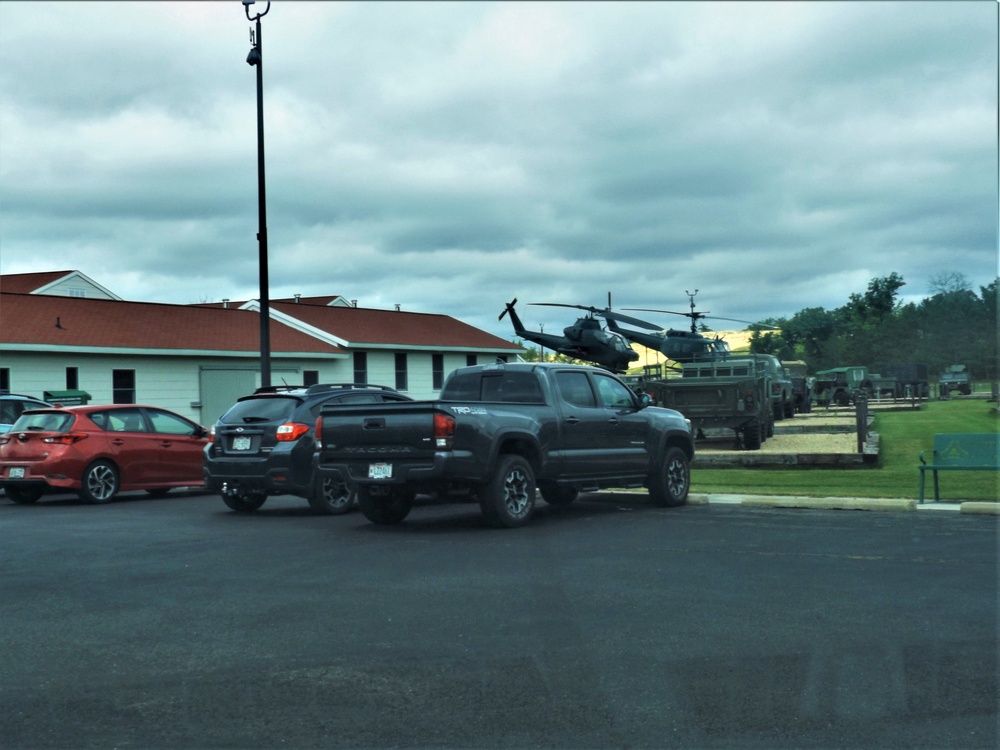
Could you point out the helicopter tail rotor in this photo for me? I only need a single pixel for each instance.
(509, 308)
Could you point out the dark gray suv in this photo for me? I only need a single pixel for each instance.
(264, 446)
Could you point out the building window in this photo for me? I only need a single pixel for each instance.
(401, 372)
(360, 367)
(437, 371)
(72, 379)
(4, 380)
(310, 377)
(470, 360)
(501, 358)
(123, 386)
(76, 292)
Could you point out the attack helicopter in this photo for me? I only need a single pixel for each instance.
(586, 339)
(682, 346)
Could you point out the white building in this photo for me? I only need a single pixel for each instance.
(63, 331)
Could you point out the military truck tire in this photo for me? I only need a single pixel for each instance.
(244, 502)
(383, 504)
(553, 494)
(670, 481)
(508, 498)
(752, 435)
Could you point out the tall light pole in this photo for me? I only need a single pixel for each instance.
(255, 59)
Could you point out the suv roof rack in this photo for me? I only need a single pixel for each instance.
(320, 387)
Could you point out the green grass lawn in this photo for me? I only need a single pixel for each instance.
(902, 435)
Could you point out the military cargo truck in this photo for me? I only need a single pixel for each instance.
(731, 394)
(801, 389)
(911, 379)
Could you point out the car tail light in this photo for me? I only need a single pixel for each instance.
(211, 434)
(67, 438)
(444, 431)
(291, 431)
(319, 431)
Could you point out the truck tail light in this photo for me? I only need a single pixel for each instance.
(291, 431)
(319, 432)
(444, 431)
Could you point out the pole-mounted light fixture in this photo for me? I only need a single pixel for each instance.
(256, 59)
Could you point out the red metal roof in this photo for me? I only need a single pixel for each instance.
(26, 283)
(86, 322)
(361, 326)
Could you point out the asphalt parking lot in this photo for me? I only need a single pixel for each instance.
(174, 623)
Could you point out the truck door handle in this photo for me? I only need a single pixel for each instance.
(572, 420)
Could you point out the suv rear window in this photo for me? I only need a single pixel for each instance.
(262, 409)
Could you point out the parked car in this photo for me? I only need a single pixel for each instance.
(264, 445)
(12, 405)
(99, 451)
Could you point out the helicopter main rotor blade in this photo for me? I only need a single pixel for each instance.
(700, 315)
(563, 304)
(610, 315)
(669, 312)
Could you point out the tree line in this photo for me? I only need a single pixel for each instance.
(952, 326)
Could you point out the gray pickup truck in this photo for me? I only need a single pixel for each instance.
(498, 432)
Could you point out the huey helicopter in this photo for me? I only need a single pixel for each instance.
(682, 346)
(586, 339)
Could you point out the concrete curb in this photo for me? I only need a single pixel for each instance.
(981, 508)
(879, 504)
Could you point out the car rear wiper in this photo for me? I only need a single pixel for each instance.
(248, 420)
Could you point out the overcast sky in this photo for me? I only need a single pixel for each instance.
(448, 157)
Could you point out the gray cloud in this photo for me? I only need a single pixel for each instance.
(448, 157)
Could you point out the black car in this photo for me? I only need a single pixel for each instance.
(264, 445)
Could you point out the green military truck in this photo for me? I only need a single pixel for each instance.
(730, 394)
(801, 389)
(840, 386)
(955, 378)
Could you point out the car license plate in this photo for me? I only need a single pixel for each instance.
(16, 472)
(241, 444)
(380, 471)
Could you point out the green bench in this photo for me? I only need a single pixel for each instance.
(958, 452)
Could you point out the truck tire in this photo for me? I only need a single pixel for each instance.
(752, 435)
(383, 504)
(508, 499)
(553, 494)
(244, 502)
(333, 496)
(670, 481)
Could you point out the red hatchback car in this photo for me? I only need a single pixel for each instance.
(99, 451)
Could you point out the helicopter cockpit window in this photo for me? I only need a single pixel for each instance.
(614, 395)
(574, 387)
